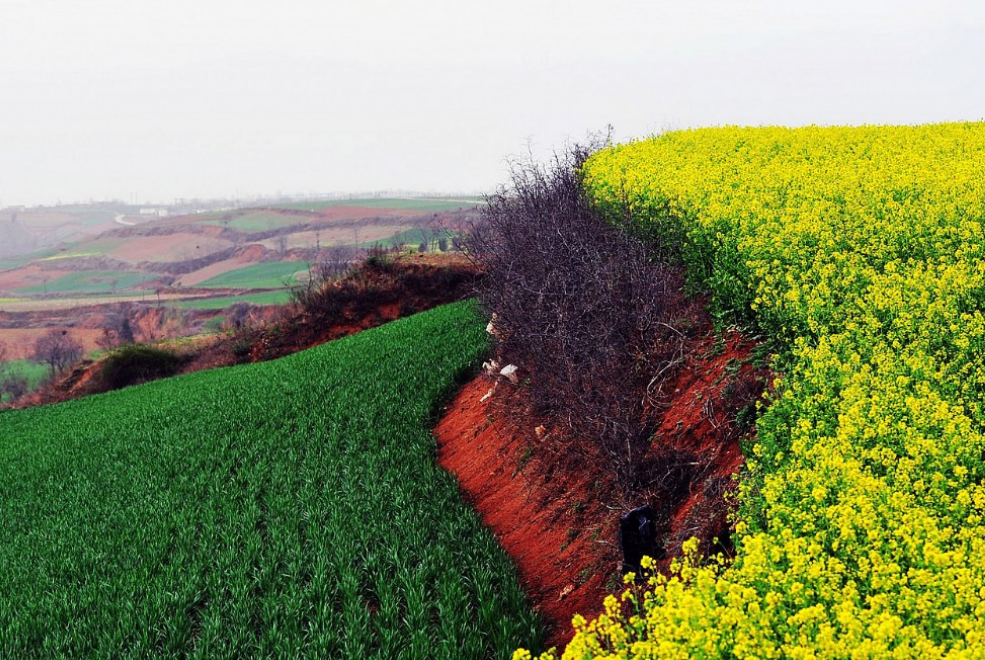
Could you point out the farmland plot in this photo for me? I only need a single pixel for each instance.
(286, 509)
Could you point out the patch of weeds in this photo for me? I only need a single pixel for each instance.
(489, 422)
(746, 417)
(762, 355)
(613, 584)
(525, 457)
(570, 537)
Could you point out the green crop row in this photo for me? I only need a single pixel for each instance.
(289, 509)
(861, 530)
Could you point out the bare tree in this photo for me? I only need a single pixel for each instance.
(338, 260)
(425, 239)
(281, 242)
(126, 331)
(58, 349)
(238, 314)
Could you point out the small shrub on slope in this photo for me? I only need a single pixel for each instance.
(137, 364)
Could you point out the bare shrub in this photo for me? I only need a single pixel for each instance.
(136, 363)
(334, 264)
(338, 260)
(13, 385)
(581, 305)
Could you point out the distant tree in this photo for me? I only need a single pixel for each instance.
(126, 332)
(238, 313)
(425, 239)
(281, 242)
(109, 339)
(117, 331)
(58, 349)
(443, 244)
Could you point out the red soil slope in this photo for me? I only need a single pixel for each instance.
(561, 527)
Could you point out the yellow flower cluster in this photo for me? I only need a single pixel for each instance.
(861, 532)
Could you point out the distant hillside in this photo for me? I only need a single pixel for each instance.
(14, 238)
(93, 255)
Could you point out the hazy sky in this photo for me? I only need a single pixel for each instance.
(158, 99)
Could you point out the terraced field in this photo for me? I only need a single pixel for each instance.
(90, 282)
(267, 275)
(406, 204)
(280, 510)
(221, 302)
(251, 221)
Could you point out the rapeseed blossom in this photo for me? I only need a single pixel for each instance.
(860, 527)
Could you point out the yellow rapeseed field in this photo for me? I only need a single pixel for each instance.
(860, 533)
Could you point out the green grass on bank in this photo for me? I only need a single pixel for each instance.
(288, 509)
